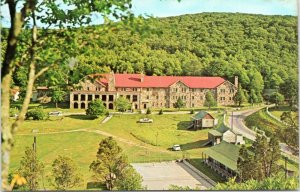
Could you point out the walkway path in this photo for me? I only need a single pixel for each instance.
(127, 141)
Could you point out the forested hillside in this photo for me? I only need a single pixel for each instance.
(261, 50)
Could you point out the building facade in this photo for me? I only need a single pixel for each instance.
(152, 91)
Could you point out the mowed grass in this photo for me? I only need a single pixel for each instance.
(81, 146)
(278, 111)
(60, 123)
(262, 121)
(165, 131)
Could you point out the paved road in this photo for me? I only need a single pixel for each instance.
(237, 118)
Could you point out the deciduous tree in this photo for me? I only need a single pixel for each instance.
(122, 104)
(31, 169)
(58, 96)
(64, 174)
(111, 166)
(209, 100)
(96, 108)
(179, 103)
(240, 97)
(277, 98)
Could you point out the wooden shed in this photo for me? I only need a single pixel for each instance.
(203, 120)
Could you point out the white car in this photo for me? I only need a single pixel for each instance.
(55, 113)
(176, 148)
(146, 120)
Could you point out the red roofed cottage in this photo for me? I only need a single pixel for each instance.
(152, 91)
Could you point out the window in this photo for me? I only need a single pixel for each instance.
(148, 89)
(193, 97)
(90, 97)
(148, 97)
(134, 98)
(97, 96)
(128, 97)
(157, 97)
(82, 97)
(75, 97)
(104, 98)
(110, 98)
(88, 88)
(231, 90)
(222, 90)
(229, 98)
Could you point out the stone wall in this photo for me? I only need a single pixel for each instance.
(150, 97)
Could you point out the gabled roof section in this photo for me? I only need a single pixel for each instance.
(134, 80)
(225, 153)
(201, 115)
(223, 128)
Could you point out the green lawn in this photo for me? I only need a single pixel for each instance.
(278, 111)
(169, 129)
(263, 121)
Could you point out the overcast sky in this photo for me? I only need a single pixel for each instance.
(164, 8)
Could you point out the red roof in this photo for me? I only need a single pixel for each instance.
(134, 80)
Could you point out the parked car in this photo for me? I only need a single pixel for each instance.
(146, 120)
(176, 148)
(55, 113)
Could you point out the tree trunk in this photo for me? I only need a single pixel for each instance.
(7, 69)
(56, 105)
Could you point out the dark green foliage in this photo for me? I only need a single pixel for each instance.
(130, 180)
(160, 112)
(112, 168)
(179, 103)
(96, 108)
(122, 104)
(261, 50)
(289, 134)
(148, 111)
(64, 174)
(192, 111)
(37, 114)
(277, 182)
(261, 163)
(58, 96)
(240, 96)
(181, 188)
(277, 98)
(31, 169)
(210, 100)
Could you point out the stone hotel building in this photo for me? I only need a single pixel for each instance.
(152, 91)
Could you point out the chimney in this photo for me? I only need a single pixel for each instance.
(236, 81)
(111, 81)
(142, 77)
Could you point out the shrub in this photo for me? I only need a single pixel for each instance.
(96, 108)
(192, 111)
(13, 111)
(161, 112)
(148, 111)
(37, 114)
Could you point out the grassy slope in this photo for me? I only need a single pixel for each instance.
(261, 120)
(82, 146)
